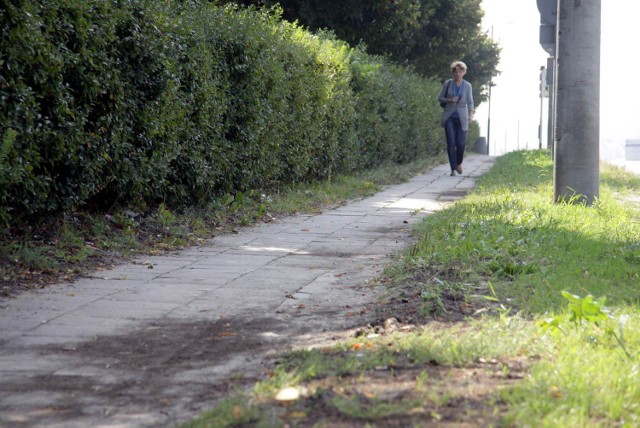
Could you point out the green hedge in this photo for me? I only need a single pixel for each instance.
(130, 102)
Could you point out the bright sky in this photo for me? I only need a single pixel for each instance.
(515, 101)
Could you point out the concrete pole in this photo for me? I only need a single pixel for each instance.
(489, 112)
(576, 172)
(551, 120)
(542, 89)
(489, 120)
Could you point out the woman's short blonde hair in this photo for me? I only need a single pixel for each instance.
(457, 64)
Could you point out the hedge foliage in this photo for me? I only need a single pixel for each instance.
(132, 102)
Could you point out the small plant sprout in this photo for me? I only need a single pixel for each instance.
(586, 311)
(421, 381)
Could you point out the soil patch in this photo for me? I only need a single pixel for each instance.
(167, 370)
(163, 373)
(451, 396)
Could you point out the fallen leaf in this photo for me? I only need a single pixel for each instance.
(236, 412)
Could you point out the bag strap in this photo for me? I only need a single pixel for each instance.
(462, 88)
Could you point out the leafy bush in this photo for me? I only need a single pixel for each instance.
(77, 78)
(123, 102)
(397, 115)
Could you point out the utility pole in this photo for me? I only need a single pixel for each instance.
(551, 121)
(543, 84)
(489, 119)
(548, 37)
(489, 112)
(576, 173)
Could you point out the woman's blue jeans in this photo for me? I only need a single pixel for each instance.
(455, 141)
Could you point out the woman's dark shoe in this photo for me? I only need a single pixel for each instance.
(459, 169)
(453, 173)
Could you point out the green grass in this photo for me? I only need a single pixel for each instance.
(529, 354)
(510, 232)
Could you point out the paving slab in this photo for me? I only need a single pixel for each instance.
(155, 341)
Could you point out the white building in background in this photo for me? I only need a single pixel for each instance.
(620, 151)
(632, 155)
(632, 150)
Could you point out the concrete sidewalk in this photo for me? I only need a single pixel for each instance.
(146, 343)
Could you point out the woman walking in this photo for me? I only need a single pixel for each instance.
(456, 95)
